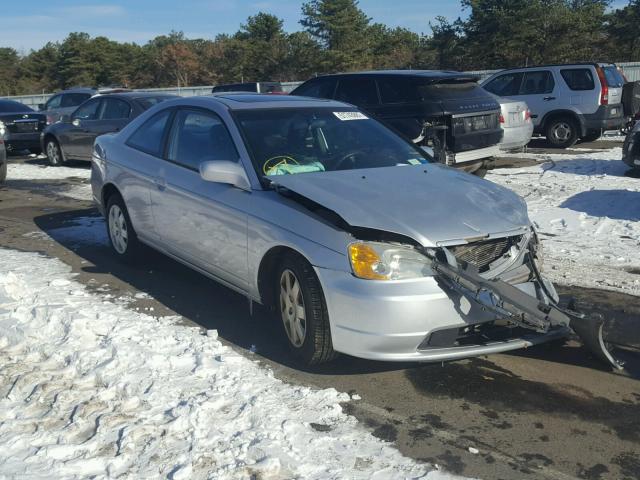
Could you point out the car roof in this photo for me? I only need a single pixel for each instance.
(565, 65)
(136, 95)
(249, 101)
(431, 74)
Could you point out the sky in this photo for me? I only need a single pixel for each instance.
(26, 25)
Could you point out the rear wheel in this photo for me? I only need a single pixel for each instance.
(301, 306)
(122, 236)
(3, 172)
(562, 132)
(54, 154)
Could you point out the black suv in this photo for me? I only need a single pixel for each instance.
(446, 111)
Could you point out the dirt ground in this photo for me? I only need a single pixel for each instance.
(549, 412)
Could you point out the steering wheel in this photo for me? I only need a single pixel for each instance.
(348, 157)
(273, 162)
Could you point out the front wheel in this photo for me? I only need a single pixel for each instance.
(302, 308)
(54, 154)
(122, 236)
(562, 132)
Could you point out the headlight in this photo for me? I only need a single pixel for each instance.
(384, 261)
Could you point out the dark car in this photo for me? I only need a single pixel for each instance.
(22, 126)
(447, 111)
(255, 87)
(73, 137)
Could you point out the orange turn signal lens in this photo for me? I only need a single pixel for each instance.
(364, 260)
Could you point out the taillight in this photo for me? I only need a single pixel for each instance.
(604, 93)
(527, 115)
(501, 118)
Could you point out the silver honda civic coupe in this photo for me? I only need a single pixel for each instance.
(350, 234)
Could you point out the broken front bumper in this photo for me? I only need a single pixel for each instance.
(396, 320)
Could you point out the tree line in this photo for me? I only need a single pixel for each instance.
(336, 35)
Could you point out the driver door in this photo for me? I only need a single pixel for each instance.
(202, 222)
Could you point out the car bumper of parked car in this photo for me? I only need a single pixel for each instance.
(394, 321)
(23, 141)
(516, 137)
(607, 117)
(631, 149)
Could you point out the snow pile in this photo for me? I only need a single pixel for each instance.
(89, 388)
(588, 215)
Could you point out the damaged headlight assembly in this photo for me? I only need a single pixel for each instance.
(385, 261)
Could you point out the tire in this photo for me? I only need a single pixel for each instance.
(310, 343)
(3, 172)
(562, 132)
(54, 153)
(122, 236)
(591, 136)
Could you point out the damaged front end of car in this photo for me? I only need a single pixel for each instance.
(504, 278)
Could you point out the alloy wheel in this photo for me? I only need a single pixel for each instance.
(118, 229)
(52, 153)
(561, 131)
(292, 308)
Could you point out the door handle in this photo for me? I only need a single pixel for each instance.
(546, 99)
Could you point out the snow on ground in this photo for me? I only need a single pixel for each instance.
(31, 171)
(588, 215)
(89, 388)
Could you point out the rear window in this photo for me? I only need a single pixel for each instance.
(578, 78)
(236, 87)
(10, 106)
(148, 102)
(149, 137)
(614, 77)
(408, 90)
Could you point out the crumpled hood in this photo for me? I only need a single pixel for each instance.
(433, 204)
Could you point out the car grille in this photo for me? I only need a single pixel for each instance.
(482, 254)
(24, 127)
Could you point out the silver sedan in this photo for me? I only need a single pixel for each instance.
(354, 238)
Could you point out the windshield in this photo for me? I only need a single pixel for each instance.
(614, 77)
(293, 141)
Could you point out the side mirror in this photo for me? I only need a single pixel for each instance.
(224, 171)
(75, 122)
(41, 106)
